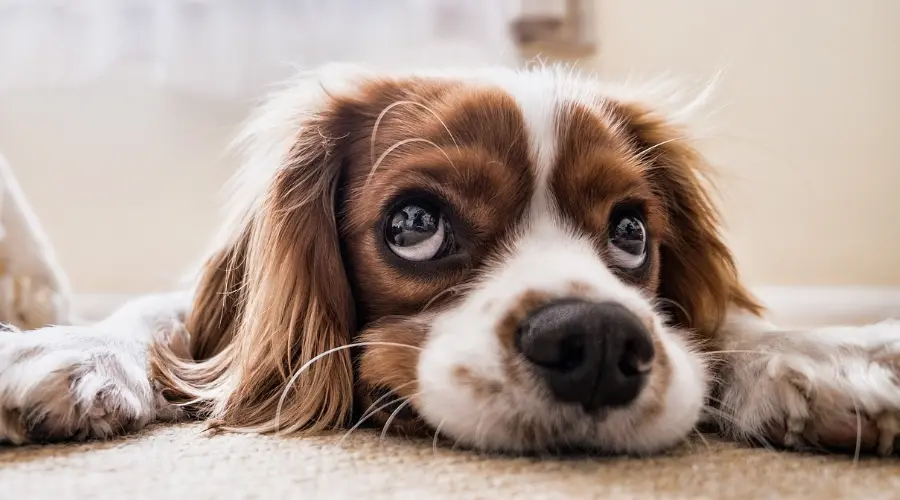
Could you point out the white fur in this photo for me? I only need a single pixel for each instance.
(70, 382)
(813, 382)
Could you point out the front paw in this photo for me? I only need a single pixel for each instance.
(78, 388)
(843, 396)
(849, 406)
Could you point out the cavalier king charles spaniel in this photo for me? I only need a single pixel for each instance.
(514, 261)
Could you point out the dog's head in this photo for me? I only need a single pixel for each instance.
(517, 260)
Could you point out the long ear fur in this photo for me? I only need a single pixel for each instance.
(275, 295)
(698, 275)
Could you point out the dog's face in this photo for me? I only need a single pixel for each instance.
(504, 266)
(520, 261)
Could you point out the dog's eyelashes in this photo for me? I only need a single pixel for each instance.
(418, 232)
(627, 241)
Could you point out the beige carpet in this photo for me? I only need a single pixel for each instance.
(181, 462)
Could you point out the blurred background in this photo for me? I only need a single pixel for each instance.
(115, 114)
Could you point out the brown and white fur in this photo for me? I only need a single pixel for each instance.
(304, 319)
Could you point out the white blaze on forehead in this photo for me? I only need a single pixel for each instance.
(543, 95)
(538, 97)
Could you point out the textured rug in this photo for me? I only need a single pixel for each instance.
(181, 461)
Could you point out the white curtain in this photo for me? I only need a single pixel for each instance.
(234, 47)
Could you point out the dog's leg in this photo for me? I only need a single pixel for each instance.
(834, 387)
(76, 382)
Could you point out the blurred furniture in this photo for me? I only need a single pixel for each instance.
(33, 287)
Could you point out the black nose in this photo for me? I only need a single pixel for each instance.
(595, 354)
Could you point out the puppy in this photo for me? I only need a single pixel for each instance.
(517, 261)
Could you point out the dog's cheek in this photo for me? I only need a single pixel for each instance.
(388, 383)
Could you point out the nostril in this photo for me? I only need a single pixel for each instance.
(637, 354)
(553, 337)
(571, 353)
(560, 353)
(635, 360)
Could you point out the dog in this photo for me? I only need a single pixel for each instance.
(515, 261)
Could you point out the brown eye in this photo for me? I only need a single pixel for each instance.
(417, 232)
(627, 240)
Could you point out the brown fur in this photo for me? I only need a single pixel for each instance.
(279, 295)
(481, 171)
(305, 276)
(217, 300)
(388, 361)
(482, 388)
(285, 302)
(697, 271)
(596, 171)
(509, 322)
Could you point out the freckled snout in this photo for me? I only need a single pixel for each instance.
(597, 355)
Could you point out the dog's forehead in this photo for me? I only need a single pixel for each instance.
(567, 140)
(582, 155)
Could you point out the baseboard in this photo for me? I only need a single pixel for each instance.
(807, 306)
(95, 306)
(789, 305)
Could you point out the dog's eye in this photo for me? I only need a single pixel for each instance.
(627, 240)
(418, 232)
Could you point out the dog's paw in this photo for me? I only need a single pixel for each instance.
(851, 404)
(59, 385)
(839, 394)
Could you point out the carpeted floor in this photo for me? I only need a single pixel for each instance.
(182, 462)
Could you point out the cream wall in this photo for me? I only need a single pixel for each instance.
(808, 125)
(126, 178)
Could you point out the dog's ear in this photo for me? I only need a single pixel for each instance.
(273, 310)
(698, 276)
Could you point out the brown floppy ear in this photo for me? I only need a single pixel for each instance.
(276, 295)
(698, 276)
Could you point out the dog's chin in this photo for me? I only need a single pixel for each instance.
(466, 407)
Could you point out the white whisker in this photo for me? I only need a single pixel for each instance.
(402, 143)
(366, 414)
(642, 155)
(399, 103)
(309, 363)
(362, 419)
(687, 315)
(390, 419)
(702, 438)
(450, 290)
(736, 351)
(437, 434)
(858, 449)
